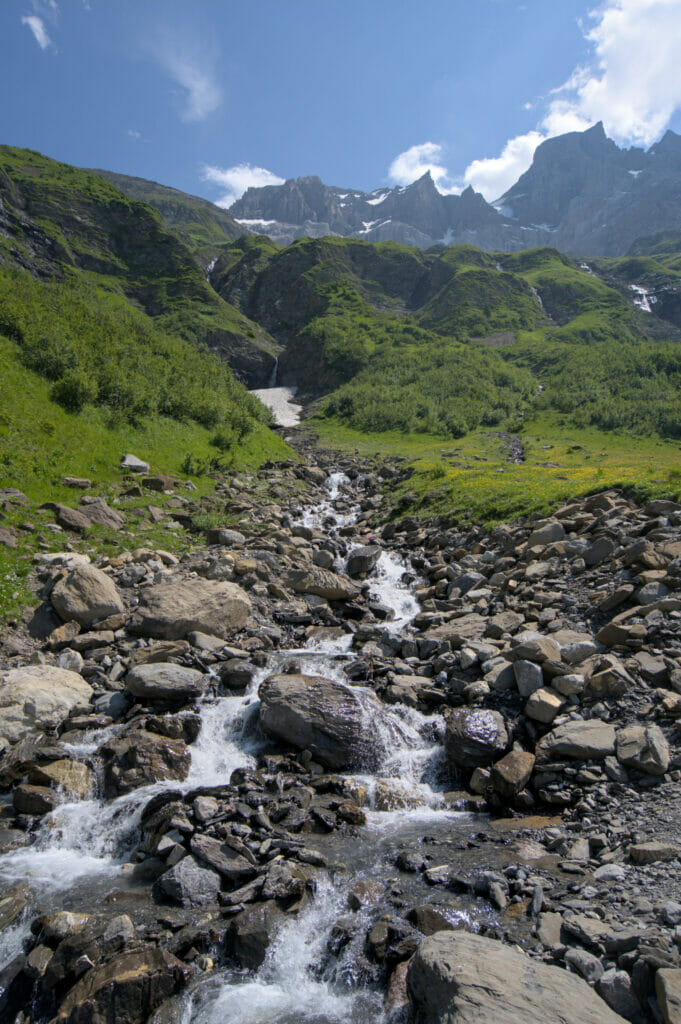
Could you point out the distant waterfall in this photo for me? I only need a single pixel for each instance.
(272, 383)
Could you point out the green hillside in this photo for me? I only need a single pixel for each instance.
(201, 225)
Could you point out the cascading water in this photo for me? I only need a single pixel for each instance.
(86, 844)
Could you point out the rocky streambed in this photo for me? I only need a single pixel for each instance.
(328, 770)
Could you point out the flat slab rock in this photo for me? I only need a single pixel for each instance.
(165, 682)
(461, 978)
(169, 611)
(38, 697)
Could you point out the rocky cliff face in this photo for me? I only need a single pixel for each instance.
(582, 194)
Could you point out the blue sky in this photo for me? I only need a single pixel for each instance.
(212, 95)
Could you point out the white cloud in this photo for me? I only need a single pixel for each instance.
(415, 161)
(237, 179)
(37, 27)
(631, 82)
(193, 72)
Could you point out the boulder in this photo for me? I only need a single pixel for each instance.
(532, 646)
(528, 677)
(73, 778)
(548, 533)
(322, 583)
(644, 748)
(460, 978)
(97, 511)
(87, 594)
(38, 697)
(668, 991)
(134, 465)
(141, 758)
(543, 705)
(475, 737)
(228, 862)
(126, 990)
(511, 774)
(188, 884)
(583, 741)
(337, 723)
(251, 933)
(168, 611)
(362, 560)
(165, 682)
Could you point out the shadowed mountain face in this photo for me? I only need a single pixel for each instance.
(582, 194)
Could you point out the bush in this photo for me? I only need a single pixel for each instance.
(74, 390)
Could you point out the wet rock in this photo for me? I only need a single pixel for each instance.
(362, 560)
(171, 610)
(429, 920)
(475, 738)
(86, 595)
(466, 978)
(71, 777)
(127, 989)
(142, 758)
(644, 748)
(252, 932)
(223, 858)
(322, 583)
(365, 893)
(236, 673)
(34, 800)
(165, 682)
(580, 740)
(13, 901)
(327, 718)
(188, 884)
(38, 697)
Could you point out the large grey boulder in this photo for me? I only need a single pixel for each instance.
(38, 697)
(166, 682)
(322, 583)
(337, 723)
(362, 560)
(87, 594)
(169, 611)
(584, 741)
(460, 978)
(475, 737)
(188, 884)
(644, 748)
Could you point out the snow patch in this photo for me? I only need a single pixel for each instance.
(634, 174)
(378, 199)
(255, 223)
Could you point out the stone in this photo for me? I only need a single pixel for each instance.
(504, 622)
(531, 646)
(543, 706)
(528, 677)
(429, 920)
(252, 932)
(69, 518)
(225, 538)
(13, 901)
(581, 740)
(141, 758)
(221, 857)
(126, 990)
(597, 552)
(651, 853)
(460, 631)
(362, 560)
(462, 978)
(134, 465)
(79, 483)
(323, 583)
(86, 595)
(616, 989)
(34, 800)
(548, 533)
(38, 697)
(335, 722)
(165, 682)
(99, 512)
(511, 774)
(8, 538)
(169, 611)
(188, 884)
(585, 964)
(644, 748)
(72, 777)
(668, 991)
(475, 737)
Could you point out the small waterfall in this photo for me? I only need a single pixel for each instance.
(272, 382)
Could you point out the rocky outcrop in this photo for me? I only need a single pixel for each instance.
(460, 978)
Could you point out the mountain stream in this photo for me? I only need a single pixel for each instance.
(83, 848)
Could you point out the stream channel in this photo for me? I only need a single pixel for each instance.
(82, 850)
